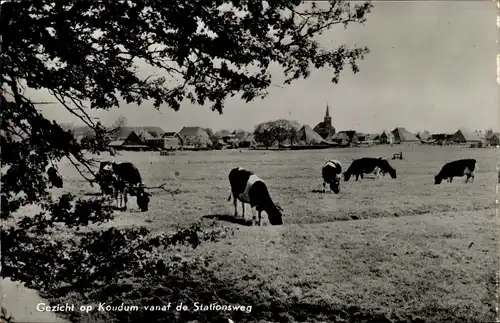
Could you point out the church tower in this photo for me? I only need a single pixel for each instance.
(328, 123)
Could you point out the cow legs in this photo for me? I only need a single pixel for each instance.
(243, 209)
(451, 179)
(117, 196)
(125, 199)
(235, 202)
(119, 200)
(357, 176)
(254, 219)
(324, 187)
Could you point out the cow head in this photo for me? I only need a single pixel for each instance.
(347, 175)
(275, 215)
(387, 168)
(142, 198)
(335, 184)
(437, 179)
(391, 172)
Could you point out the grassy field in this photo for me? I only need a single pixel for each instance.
(415, 252)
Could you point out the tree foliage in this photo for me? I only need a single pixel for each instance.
(285, 130)
(85, 51)
(277, 131)
(89, 55)
(263, 134)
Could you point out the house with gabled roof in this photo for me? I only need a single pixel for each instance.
(401, 135)
(142, 131)
(307, 136)
(492, 139)
(464, 135)
(132, 142)
(385, 138)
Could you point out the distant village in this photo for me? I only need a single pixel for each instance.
(323, 135)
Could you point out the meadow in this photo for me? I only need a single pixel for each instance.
(386, 250)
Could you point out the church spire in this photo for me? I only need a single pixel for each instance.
(327, 111)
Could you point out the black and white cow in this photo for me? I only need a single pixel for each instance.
(367, 165)
(457, 168)
(330, 172)
(248, 188)
(123, 179)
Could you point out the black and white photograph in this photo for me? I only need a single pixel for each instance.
(253, 161)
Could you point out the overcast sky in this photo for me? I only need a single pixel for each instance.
(432, 67)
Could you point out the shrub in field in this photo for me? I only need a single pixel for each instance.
(86, 55)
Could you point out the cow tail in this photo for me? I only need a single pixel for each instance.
(229, 198)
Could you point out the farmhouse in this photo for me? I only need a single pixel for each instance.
(345, 137)
(195, 138)
(307, 136)
(169, 141)
(325, 128)
(123, 132)
(132, 142)
(401, 135)
(440, 138)
(493, 139)
(385, 138)
(465, 136)
(424, 135)
(366, 139)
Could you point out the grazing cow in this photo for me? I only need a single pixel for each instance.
(248, 188)
(330, 172)
(457, 168)
(368, 165)
(123, 178)
(54, 177)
